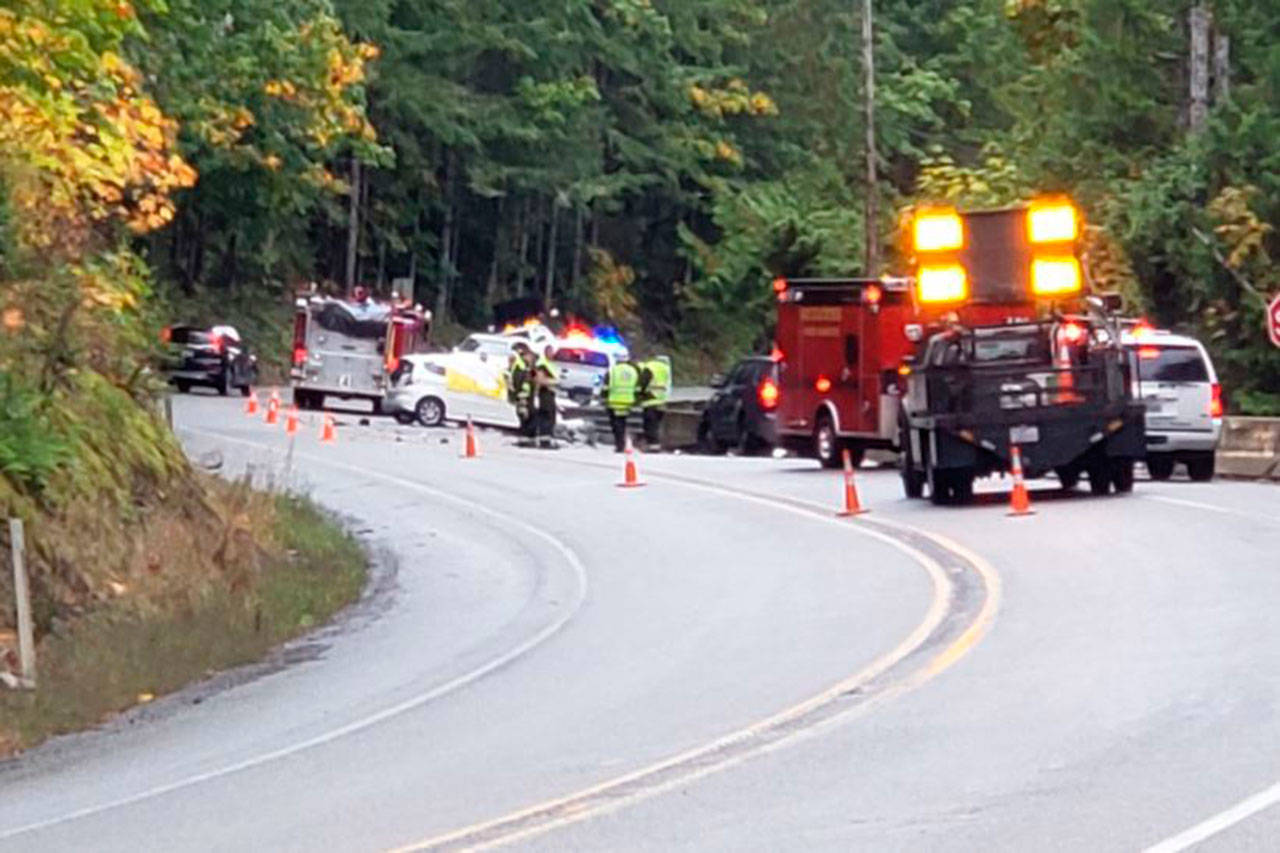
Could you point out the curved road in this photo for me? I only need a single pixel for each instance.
(713, 661)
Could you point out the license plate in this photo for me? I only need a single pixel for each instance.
(1024, 434)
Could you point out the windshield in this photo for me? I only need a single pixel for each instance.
(1171, 364)
(1007, 348)
(581, 356)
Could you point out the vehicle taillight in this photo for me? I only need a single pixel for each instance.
(1072, 333)
(767, 394)
(1215, 401)
(219, 344)
(299, 356)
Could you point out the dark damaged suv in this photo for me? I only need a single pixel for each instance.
(215, 357)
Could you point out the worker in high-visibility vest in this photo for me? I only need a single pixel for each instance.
(520, 388)
(621, 385)
(655, 390)
(545, 380)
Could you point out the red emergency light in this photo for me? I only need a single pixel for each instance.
(822, 385)
(768, 394)
(779, 285)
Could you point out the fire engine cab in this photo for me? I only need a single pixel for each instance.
(991, 342)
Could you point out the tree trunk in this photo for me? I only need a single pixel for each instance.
(353, 225)
(491, 283)
(578, 237)
(871, 263)
(1200, 20)
(1221, 67)
(522, 251)
(551, 253)
(444, 272)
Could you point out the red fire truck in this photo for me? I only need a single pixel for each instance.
(348, 348)
(992, 341)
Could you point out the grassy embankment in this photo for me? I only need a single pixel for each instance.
(145, 574)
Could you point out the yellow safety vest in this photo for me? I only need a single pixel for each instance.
(659, 383)
(623, 381)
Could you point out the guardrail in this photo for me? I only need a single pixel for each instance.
(1250, 448)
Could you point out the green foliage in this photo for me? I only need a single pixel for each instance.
(30, 452)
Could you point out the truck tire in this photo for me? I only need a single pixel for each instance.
(826, 444)
(1122, 475)
(707, 439)
(912, 479)
(1160, 466)
(1201, 468)
(1099, 472)
(430, 411)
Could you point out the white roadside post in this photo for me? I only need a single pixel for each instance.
(22, 593)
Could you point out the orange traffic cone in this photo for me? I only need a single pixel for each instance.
(1019, 501)
(251, 403)
(851, 504)
(273, 409)
(328, 432)
(291, 422)
(630, 476)
(471, 447)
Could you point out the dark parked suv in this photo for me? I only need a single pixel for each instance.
(214, 357)
(742, 412)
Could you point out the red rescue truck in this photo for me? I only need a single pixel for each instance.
(991, 341)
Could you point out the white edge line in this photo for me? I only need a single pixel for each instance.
(542, 636)
(1212, 826)
(943, 588)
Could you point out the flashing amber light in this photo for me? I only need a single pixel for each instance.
(872, 294)
(1148, 353)
(1055, 276)
(942, 284)
(768, 394)
(904, 370)
(937, 229)
(1143, 329)
(577, 334)
(1072, 333)
(1052, 221)
(779, 285)
(1216, 406)
(823, 385)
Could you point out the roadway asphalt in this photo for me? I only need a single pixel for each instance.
(712, 661)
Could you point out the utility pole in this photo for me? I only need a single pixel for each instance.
(1200, 21)
(353, 225)
(871, 262)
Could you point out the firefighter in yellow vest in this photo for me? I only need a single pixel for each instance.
(520, 392)
(545, 379)
(622, 383)
(655, 390)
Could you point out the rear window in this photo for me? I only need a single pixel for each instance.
(581, 356)
(190, 336)
(1171, 364)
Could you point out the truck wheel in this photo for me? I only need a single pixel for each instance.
(1122, 475)
(183, 386)
(430, 411)
(939, 486)
(962, 486)
(826, 446)
(223, 384)
(1099, 477)
(1201, 468)
(377, 406)
(707, 439)
(912, 480)
(1160, 466)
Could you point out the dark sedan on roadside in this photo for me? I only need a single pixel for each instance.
(742, 412)
(214, 357)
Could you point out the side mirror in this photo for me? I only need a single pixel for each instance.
(718, 380)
